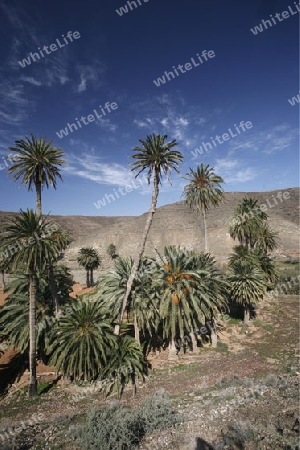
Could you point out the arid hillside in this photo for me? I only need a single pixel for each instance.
(177, 224)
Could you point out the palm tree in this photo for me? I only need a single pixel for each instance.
(36, 164)
(89, 259)
(242, 254)
(157, 158)
(112, 287)
(25, 240)
(266, 239)
(14, 313)
(81, 342)
(247, 221)
(203, 191)
(62, 239)
(247, 284)
(190, 290)
(127, 363)
(267, 265)
(111, 250)
(257, 257)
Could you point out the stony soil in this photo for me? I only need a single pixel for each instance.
(245, 396)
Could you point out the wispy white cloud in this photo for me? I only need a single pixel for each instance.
(106, 124)
(82, 85)
(141, 123)
(91, 167)
(90, 75)
(15, 105)
(31, 80)
(234, 171)
(271, 140)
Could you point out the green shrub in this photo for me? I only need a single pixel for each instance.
(119, 428)
(43, 387)
(222, 347)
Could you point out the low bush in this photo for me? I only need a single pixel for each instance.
(120, 428)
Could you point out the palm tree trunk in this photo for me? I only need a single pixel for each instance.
(194, 340)
(92, 277)
(246, 314)
(87, 277)
(38, 187)
(32, 336)
(3, 279)
(205, 230)
(140, 252)
(53, 289)
(172, 349)
(213, 335)
(136, 329)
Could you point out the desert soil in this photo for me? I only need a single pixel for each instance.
(249, 386)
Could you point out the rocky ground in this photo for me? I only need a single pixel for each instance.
(243, 395)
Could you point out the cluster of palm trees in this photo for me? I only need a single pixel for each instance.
(251, 269)
(169, 297)
(36, 164)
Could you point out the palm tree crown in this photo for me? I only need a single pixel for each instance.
(82, 340)
(36, 164)
(203, 191)
(246, 222)
(247, 284)
(156, 156)
(27, 241)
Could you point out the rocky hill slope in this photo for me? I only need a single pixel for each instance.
(177, 224)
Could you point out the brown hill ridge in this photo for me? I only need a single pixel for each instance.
(177, 224)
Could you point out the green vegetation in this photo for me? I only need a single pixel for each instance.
(163, 301)
(203, 191)
(36, 163)
(111, 251)
(156, 158)
(90, 260)
(250, 266)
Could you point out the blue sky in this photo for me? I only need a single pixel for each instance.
(116, 59)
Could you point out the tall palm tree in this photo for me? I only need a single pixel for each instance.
(203, 191)
(25, 240)
(36, 164)
(247, 284)
(158, 158)
(247, 221)
(89, 259)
